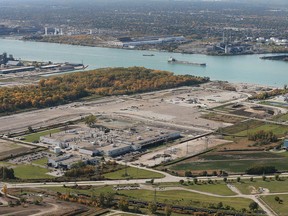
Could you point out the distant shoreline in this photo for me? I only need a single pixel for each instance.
(152, 49)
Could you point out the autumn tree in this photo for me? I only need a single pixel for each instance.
(123, 204)
(63, 89)
(152, 207)
(5, 190)
(90, 120)
(253, 206)
(168, 210)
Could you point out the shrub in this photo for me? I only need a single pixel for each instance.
(258, 170)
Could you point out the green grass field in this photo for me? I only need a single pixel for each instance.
(222, 117)
(225, 107)
(133, 173)
(272, 185)
(281, 118)
(34, 137)
(276, 104)
(94, 190)
(42, 161)
(175, 197)
(4, 164)
(185, 198)
(231, 166)
(240, 155)
(31, 172)
(219, 188)
(280, 209)
(243, 127)
(278, 130)
(252, 126)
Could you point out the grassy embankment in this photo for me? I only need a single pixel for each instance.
(34, 137)
(176, 197)
(240, 155)
(42, 161)
(280, 208)
(31, 172)
(133, 173)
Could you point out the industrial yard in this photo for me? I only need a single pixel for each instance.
(186, 132)
(129, 125)
(179, 108)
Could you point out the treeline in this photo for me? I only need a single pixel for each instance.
(264, 137)
(109, 81)
(83, 171)
(260, 170)
(264, 95)
(6, 173)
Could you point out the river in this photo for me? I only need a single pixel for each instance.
(245, 68)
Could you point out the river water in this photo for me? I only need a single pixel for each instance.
(245, 68)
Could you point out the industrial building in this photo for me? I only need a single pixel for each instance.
(285, 144)
(18, 69)
(110, 143)
(55, 142)
(89, 150)
(115, 150)
(68, 160)
(154, 41)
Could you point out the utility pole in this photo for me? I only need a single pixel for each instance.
(126, 168)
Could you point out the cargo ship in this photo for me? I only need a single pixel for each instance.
(175, 61)
(148, 54)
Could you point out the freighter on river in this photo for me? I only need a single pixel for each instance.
(175, 61)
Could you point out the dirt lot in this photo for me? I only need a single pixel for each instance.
(180, 108)
(49, 206)
(181, 150)
(8, 148)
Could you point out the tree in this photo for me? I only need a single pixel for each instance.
(123, 204)
(109, 199)
(264, 178)
(181, 181)
(204, 173)
(6, 173)
(258, 170)
(188, 173)
(253, 206)
(238, 179)
(152, 207)
(220, 205)
(30, 129)
(244, 210)
(101, 200)
(23, 199)
(90, 120)
(5, 190)
(277, 198)
(251, 179)
(168, 210)
(225, 179)
(277, 177)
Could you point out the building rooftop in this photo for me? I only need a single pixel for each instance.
(111, 147)
(94, 138)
